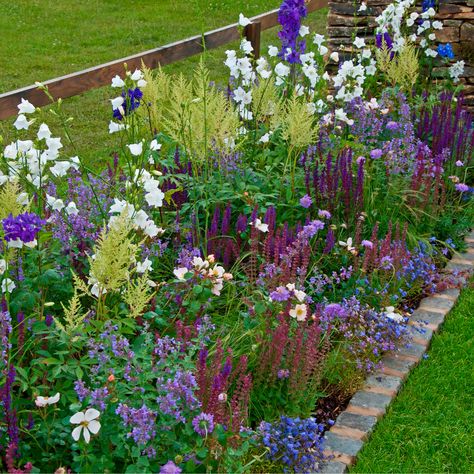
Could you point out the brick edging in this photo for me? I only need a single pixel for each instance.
(355, 424)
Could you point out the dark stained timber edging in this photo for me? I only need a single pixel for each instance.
(354, 425)
(98, 76)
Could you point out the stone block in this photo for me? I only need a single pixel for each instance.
(377, 402)
(467, 31)
(364, 424)
(449, 34)
(332, 467)
(412, 350)
(436, 304)
(427, 318)
(382, 383)
(342, 448)
(393, 365)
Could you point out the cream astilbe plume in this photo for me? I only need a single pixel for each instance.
(137, 295)
(200, 116)
(298, 125)
(114, 253)
(266, 103)
(402, 69)
(156, 96)
(73, 317)
(9, 200)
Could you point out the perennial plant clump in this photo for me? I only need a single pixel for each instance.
(249, 251)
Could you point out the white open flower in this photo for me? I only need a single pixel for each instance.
(117, 82)
(22, 123)
(299, 312)
(154, 145)
(8, 285)
(180, 272)
(347, 244)
(87, 421)
(144, 266)
(243, 20)
(44, 401)
(359, 42)
(136, 149)
(25, 107)
(43, 132)
(260, 225)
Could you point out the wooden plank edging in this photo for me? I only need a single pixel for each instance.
(101, 75)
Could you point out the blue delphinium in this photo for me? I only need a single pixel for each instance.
(295, 442)
(427, 4)
(446, 51)
(290, 15)
(24, 227)
(131, 101)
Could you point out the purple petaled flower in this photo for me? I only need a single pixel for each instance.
(461, 187)
(290, 14)
(368, 244)
(324, 214)
(203, 424)
(459, 163)
(376, 153)
(24, 227)
(392, 125)
(306, 201)
(48, 320)
(283, 373)
(129, 104)
(170, 468)
(280, 294)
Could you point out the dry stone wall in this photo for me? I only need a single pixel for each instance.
(345, 21)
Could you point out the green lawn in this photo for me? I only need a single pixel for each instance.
(429, 427)
(42, 39)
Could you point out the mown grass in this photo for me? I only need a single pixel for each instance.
(42, 39)
(429, 427)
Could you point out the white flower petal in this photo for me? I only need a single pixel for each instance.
(77, 418)
(91, 414)
(94, 426)
(87, 435)
(76, 432)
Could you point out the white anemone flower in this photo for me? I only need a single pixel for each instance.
(180, 272)
(87, 421)
(347, 244)
(44, 401)
(299, 312)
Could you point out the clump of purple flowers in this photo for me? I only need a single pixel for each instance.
(131, 101)
(142, 421)
(365, 333)
(24, 227)
(297, 443)
(290, 15)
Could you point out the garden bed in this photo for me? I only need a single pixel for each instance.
(244, 271)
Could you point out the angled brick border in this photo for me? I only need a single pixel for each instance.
(355, 424)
